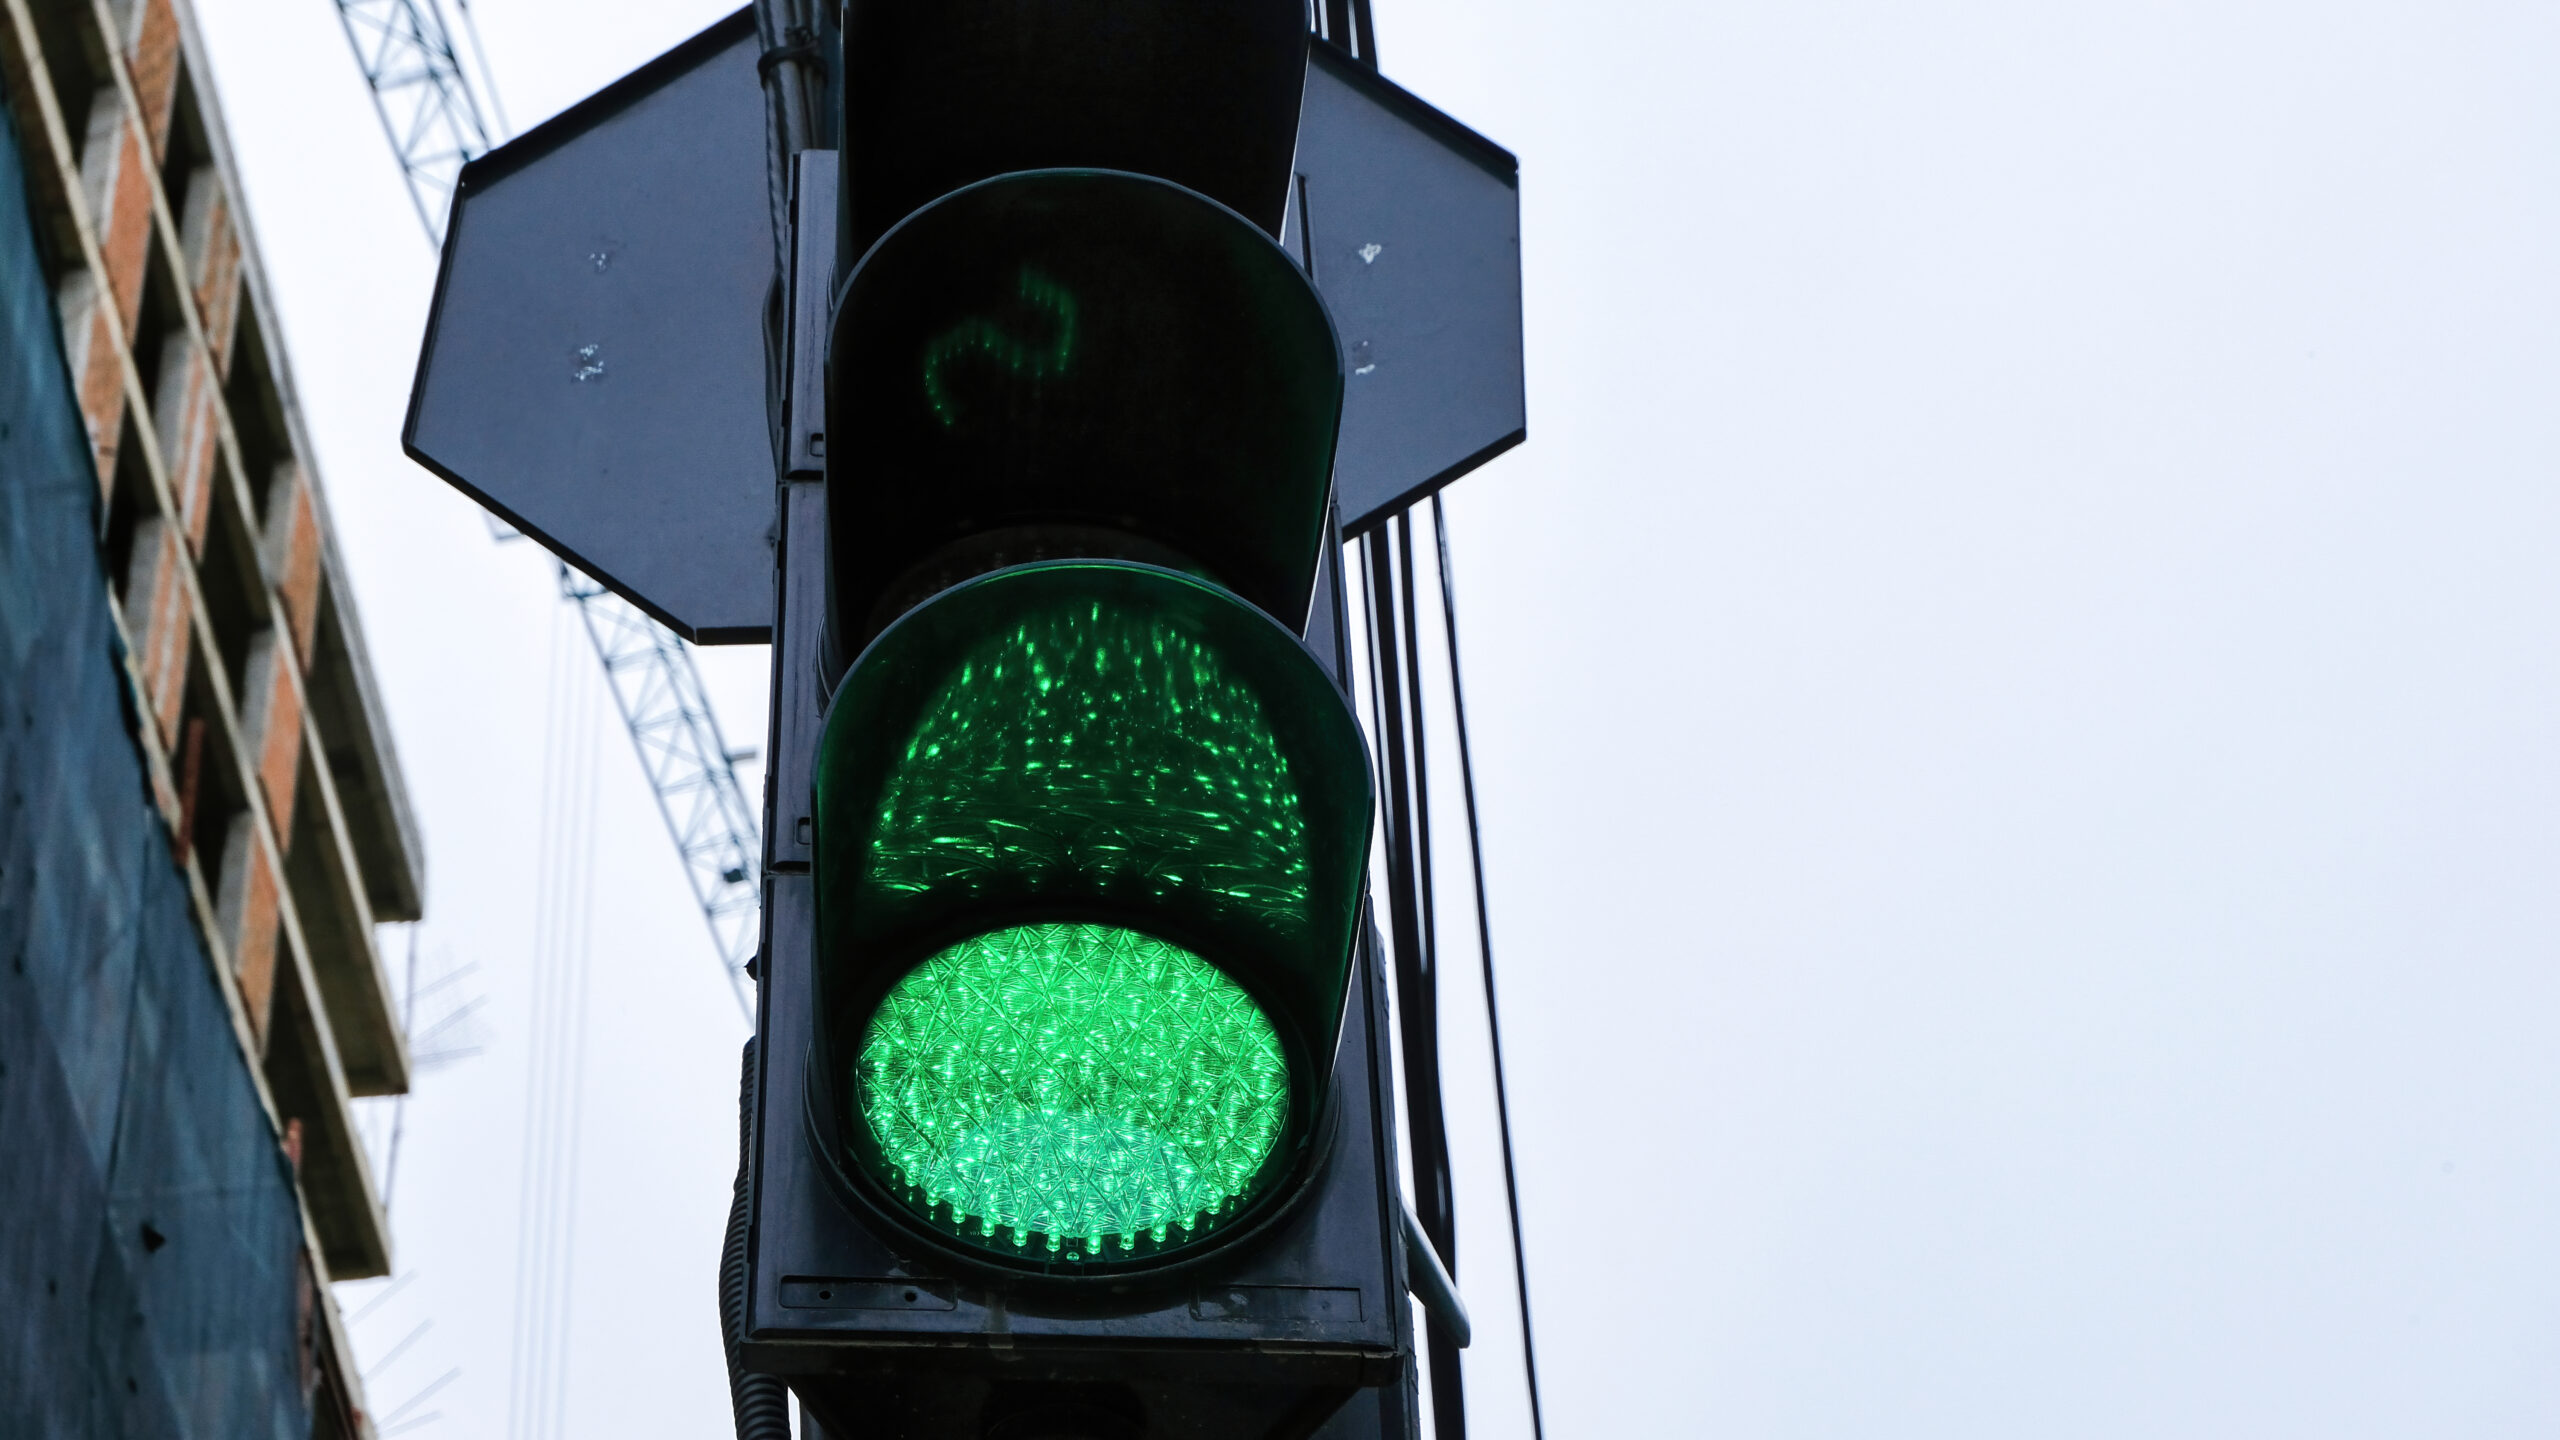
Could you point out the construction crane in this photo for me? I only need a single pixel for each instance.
(431, 114)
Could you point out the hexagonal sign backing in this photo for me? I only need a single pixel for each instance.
(594, 365)
(1409, 223)
(594, 368)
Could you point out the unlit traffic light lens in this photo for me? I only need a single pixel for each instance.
(1073, 1091)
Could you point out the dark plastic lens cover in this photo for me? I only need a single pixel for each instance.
(1086, 355)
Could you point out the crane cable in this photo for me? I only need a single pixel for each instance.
(555, 1089)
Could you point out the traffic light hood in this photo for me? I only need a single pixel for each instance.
(1090, 839)
(1204, 93)
(1076, 363)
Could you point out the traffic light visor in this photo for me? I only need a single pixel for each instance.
(1077, 363)
(1089, 840)
(939, 96)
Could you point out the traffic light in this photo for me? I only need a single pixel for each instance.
(1069, 1112)
(1090, 837)
(1072, 1116)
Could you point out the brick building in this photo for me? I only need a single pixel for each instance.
(201, 816)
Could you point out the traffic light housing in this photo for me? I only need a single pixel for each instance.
(1089, 851)
(1072, 1115)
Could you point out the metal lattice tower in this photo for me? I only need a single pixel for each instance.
(690, 769)
(432, 116)
(425, 102)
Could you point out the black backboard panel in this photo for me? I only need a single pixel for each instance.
(594, 364)
(594, 369)
(1410, 223)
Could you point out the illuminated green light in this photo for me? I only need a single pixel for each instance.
(1072, 1091)
(1147, 804)
(1097, 749)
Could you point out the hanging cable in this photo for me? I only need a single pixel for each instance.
(759, 1405)
(1419, 842)
(1484, 949)
(579, 948)
(1417, 1006)
(554, 1090)
(525, 1378)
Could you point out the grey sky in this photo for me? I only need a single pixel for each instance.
(2015, 701)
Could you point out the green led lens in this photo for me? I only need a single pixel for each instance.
(1072, 1091)
(1155, 773)
(1098, 748)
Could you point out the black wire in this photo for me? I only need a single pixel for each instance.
(798, 46)
(1377, 728)
(1417, 985)
(1484, 939)
(1448, 1378)
(759, 1405)
(1420, 839)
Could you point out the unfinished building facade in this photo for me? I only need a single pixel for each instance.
(202, 820)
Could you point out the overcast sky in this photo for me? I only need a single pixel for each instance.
(2016, 709)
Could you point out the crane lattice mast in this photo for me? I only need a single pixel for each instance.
(432, 116)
